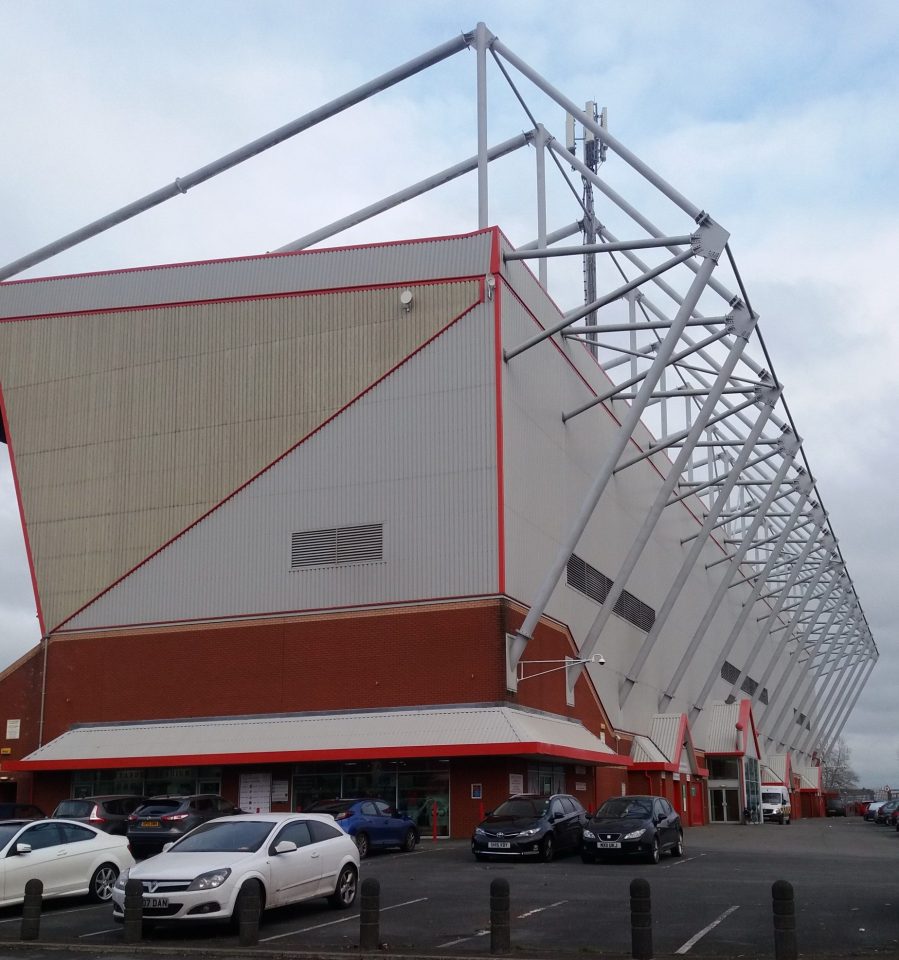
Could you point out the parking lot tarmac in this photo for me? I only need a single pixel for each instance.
(713, 902)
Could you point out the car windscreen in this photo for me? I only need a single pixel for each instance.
(522, 807)
(7, 832)
(771, 797)
(74, 808)
(624, 807)
(155, 808)
(330, 806)
(232, 836)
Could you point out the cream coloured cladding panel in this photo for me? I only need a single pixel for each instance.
(127, 426)
(559, 462)
(417, 454)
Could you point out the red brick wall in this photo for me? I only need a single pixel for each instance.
(20, 699)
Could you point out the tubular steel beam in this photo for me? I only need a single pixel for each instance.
(182, 184)
(645, 244)
(628, 424)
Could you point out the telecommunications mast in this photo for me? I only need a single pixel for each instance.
(594, 155)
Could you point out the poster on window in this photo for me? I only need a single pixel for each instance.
(516, 783)
(255, 792)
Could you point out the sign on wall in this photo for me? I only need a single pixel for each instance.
(255, 793)
(516, 783)
(12, 729)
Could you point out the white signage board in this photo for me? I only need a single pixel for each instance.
(516, 783)
(255, 792)
(12, 729)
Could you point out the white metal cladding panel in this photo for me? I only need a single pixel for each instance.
(721, 734)
(128, 426)
(810, 777)
(417, 454)
(465, 256)
(665, 731)
(777, 765)
(390, 729)
(643, 750)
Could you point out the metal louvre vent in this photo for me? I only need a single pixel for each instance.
(731, 674)
(596, 586)
(337, 545)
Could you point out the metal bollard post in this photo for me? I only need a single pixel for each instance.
(370, 915)
(134, 911)
(784, 920)
(500, 916)
(31, 910)
(249, 907)
(641, 920)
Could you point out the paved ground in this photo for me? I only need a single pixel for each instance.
(714, 902)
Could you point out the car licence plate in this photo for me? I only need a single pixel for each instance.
(149, 823)
(609, 845)
(157, 902)
(499, 845)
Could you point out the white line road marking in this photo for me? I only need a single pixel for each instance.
(452, 943)
(697, 937)
(97, 933)
(57, 913)
(330, 923)
(683, 860)
(483, 933)
(549, 906)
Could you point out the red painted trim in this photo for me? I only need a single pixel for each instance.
(277, 460)
(15, 479)
(274, 614)
(530, 748)
(499, 426)
(248, 257)
(241, 298)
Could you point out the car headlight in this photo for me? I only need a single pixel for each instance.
(530, 833)
(635, 834)
(589, 835)
(122, 879)
(478, 832)
(211, 880)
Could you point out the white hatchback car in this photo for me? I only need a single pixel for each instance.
(287, 856)
(69, 858)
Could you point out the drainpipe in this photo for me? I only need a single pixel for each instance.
(45, 640)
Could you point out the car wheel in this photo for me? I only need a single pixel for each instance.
(409, 841)
(655, 853)
(546, 848)
(362, 844)
(587, 857)
(102, 882)
(344, 893)
(678, 849)
(247, 890)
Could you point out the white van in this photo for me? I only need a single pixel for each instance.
(776, 803)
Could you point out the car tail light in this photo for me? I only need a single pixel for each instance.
(344, 815)
(172, 817)
(133, 818)
(95, 816)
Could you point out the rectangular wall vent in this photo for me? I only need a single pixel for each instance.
(589, 581)
(337, 545)
(731, 674)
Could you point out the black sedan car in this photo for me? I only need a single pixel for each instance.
(633, 826)
(530, 825)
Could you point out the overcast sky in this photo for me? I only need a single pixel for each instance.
(778, 118)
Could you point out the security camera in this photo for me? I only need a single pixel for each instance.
(600, 659)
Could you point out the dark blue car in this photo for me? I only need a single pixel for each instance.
(373, 824)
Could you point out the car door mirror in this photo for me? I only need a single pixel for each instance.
(285, 846)
(23, 848)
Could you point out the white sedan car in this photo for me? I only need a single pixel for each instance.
(288, 857)
(69, 858)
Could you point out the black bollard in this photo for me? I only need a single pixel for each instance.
(31, 910)
(641, 920)
(249, 907)
(784, 920)
(500, 916)
(134, 911)
(370, 915)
